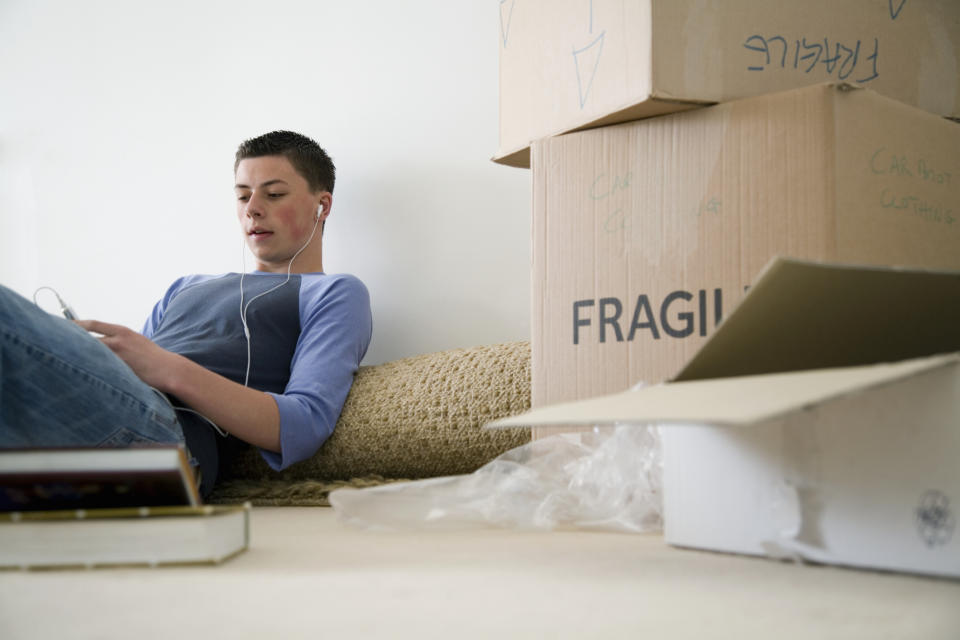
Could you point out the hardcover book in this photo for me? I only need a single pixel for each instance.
(146, 536)
(95, 478)
(93, 507)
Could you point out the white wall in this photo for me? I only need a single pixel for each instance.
(119, 120)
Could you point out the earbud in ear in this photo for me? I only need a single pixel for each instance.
(319, 211)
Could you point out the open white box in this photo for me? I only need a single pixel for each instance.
(821, 421)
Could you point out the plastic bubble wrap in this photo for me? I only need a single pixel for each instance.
(605, 479)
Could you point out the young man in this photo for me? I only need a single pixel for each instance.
(265, 358)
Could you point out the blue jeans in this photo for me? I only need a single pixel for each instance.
(61, 387)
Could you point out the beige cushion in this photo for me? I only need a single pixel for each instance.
(418, 417)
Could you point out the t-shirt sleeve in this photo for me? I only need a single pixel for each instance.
(336, 328)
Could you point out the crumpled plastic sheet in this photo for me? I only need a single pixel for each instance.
(607, 479)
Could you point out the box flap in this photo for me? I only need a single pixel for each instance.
(802, 315)
(726, 401)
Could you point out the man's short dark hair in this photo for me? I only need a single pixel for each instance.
(306, 156)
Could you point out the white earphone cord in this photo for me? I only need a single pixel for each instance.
(243, 320)
(71, 315)
(68, 312)
(243, 308)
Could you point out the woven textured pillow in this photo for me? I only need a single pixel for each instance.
(417, 417)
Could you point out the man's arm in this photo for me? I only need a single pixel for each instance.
(246, 413)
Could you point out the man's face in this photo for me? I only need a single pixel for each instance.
(277, 211)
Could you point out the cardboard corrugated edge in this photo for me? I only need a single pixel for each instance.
(656, 104)
(739, 401)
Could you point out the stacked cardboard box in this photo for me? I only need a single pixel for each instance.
(571, 64)
(826, 139)
(645, 234)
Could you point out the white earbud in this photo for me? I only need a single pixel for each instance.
(319, 212)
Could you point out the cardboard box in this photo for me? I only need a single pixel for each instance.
(821, 421)
(646, 234)
(571, 64)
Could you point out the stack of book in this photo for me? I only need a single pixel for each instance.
(90, 507)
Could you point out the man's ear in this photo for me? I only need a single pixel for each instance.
(324, 203)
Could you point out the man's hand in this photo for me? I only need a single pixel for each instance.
(248, 414)
(151, 363)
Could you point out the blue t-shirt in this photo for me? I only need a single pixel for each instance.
(307, 338)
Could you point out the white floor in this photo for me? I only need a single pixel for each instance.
(308, 576)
